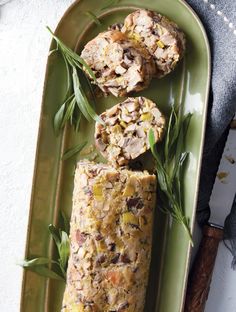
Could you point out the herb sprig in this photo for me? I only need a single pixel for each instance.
(49, 268)
(170, 163)
(79, 93)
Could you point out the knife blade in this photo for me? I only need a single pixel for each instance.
(225, 183)
(221, 202)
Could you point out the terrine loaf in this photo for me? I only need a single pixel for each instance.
(110, 239)
(120, 65)
(162, 37)
(125, 133)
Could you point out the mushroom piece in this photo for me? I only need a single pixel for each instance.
(127, 138)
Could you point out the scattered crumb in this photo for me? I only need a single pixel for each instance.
(233, 124)
(222, 175)
(230, 159)
(224, 182)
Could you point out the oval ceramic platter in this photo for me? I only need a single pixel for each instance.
(53, 178)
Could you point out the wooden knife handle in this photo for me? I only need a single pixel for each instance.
(201, 273)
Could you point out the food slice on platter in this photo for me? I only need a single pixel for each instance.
(162, 37)
(120, 65)
(110, 239)
(125, 134)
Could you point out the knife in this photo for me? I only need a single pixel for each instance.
(221, 202)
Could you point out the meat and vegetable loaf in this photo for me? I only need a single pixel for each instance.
(125, 134)
(162, 37)
(120, 65)
(110, 237)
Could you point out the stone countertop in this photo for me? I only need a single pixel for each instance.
(24, 44)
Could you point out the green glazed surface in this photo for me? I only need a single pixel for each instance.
(53, 179)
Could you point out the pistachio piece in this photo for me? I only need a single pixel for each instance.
(101, 246)
(77, 308)
(98, 191)
(123, 124)
(160, 44)
(116, 129)
(129, 190)
(146, 117)
(129, 218)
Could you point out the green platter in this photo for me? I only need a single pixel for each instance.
(53, 178)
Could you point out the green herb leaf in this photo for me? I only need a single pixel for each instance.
(73, 151)
(55, 234)
(168, 138)
(152, 144)
(68, 75)
(76, 102)
(93, 17)
(61, 240)
(64, 113)
(33, 262)
(64, 250)
(69, 111)
(183, 128)
(45, 272)
(173, 129)
(71, 54)
(76, 118)
(170, 168)
(37, 265)
(179, 177)
(110, 3)
(66, 223)
(58, 119)
(80, 97)
(82, 100)
(40, 265)
(53, 51)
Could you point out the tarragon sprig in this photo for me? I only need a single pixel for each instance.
(79, 97)
(170, 162)
(53, 268)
